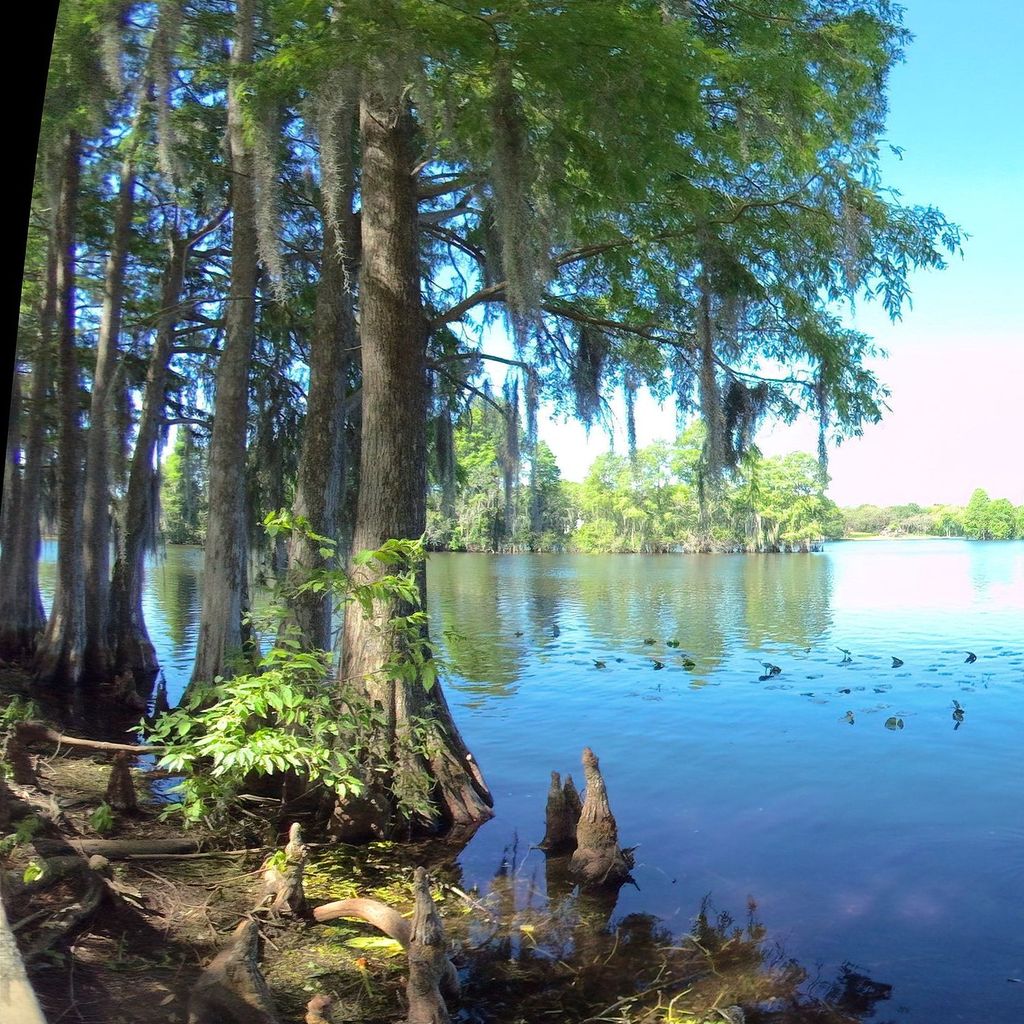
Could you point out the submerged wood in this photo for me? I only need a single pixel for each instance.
(232, 989)
(120, 792)
(428, 959)
(598, 860)
(562, 816)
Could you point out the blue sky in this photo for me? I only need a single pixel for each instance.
(956, 359)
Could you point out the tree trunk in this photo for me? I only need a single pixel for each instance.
(392, 488)
(22, 617)
(320, 487)
(59, 656)
(96, 492)
(224, 562)
(11, 500)
(129, 639)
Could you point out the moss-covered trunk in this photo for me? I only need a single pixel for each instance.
(392, 490)
(59, 656)
(224, 559)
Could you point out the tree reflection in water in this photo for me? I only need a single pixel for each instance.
(537, 949)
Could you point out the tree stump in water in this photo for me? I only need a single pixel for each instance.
(120, 792)
(284, 885)
(232, 989)
(428, 959)
(599, 860)
(562, 815)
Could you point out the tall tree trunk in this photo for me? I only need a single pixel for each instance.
(392, 490)
(12, 476)
(22, 617)
(96, 492)
(59, 656)
(224, 561)
(320, 487)
(129, 639)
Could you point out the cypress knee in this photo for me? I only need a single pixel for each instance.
(598, 860)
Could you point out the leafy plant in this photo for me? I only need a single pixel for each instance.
(288, 715)
(33, 871)
(102, 819)
(23, 833)
(18, 710)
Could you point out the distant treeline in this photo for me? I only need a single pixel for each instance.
(491, 495)
(982, 518)
(654, 499)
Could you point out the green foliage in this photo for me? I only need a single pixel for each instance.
(183, 491)
(18, 709)
(26, 828)
(102, 819)
(34, 870)
(981, 519)
(288, 715)
(649, 501)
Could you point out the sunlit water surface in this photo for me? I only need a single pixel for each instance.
(899, 849)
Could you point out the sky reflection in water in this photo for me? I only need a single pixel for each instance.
(900, 850)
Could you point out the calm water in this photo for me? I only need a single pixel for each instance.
(899, 850)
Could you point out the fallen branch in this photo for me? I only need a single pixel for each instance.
(119, 849)
(39, 732)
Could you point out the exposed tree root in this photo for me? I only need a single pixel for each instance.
(562, 815)
(599, 860)
(232, 989)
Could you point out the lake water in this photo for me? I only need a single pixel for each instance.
(872, 823)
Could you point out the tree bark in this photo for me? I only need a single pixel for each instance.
(96, 492)
(320, 487)
(392, 487)
(22, 617)
(232, 988)
(129, 639)
(220, 640)
(59, 656)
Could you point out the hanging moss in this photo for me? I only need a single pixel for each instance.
(265, 133)
(744, 408)
(516, 224)
(821, 399)
(333, 113)
(716, 445)
(629, 387)
(592, 348)
(165, 42)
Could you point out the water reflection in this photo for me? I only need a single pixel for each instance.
(898, 849)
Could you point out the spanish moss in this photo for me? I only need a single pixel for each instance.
(716, 439)
(265, 133)
(629, 387)
(513, 217)
(592, 348)
(333, 112)
(165, 42)
(821, 398)
(744, 408)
